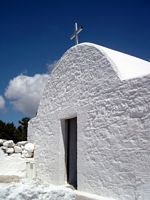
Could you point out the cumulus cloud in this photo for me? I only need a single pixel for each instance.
(25, 92)
(2, 103)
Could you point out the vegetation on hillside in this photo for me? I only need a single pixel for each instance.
(9, 131)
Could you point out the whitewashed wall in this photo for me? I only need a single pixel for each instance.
(113, 126)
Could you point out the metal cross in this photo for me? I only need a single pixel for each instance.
(76, 32)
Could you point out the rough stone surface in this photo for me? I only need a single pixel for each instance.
(22, 147)
(4, 148)
(17, 149)
(2, 155)
(29, 147)
(8, 143)
(113, 119)
(34, 191)
(10, 150)
(1, 142)
(27, 154)
(22, 143)
(9, 147)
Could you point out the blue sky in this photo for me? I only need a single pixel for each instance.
(35, 33)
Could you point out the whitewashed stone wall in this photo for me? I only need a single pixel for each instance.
(24, 148)
(16, 161)
(113, 126)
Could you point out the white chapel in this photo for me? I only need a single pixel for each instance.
(92, 129)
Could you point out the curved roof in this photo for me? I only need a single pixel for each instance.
(126, 66)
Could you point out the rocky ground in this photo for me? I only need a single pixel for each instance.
(34, 191)
(14, 184)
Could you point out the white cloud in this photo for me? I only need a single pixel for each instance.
(25, 92)
(2, 103)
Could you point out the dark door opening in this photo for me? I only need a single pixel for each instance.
(71, 151)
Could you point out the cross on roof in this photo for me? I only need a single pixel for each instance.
(76, 32)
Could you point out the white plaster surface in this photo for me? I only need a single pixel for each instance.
(12, 165)
(126, 66)
(113, 125)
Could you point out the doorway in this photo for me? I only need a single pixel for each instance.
(71, 151)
